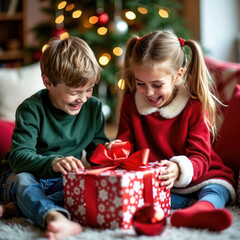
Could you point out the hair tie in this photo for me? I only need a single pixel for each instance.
(182, 42)
(139, 38)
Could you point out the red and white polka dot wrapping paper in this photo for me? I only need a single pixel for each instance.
(119, 194)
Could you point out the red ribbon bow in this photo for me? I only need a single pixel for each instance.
(118, 157)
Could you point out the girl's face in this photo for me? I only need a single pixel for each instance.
(68, 99)
(155, 85)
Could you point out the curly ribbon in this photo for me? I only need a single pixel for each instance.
(118, 156)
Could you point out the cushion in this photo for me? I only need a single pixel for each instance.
(227, 145)
(16, 84)
(238, 189)
(6, 130)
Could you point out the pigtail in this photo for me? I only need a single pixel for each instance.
(127, 74)
(201, 85)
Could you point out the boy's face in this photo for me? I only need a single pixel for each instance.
(69, 99)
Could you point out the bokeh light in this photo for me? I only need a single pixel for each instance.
(102, 30)
(163, 13)
(130, 15)
(59, 19)
(117, 51)
(77, 14)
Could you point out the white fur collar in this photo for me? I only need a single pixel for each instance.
(171, 110)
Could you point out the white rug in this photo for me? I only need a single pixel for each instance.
(22, 229)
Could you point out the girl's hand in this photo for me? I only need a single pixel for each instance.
(108, 145)
(67, 164)
(170, 174)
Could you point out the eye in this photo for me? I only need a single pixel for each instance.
(73, 93)
(140, 84)
(157, 85)
(90, 89)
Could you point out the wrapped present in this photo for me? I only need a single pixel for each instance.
(107, 197)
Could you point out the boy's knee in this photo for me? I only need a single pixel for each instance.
(22, 179)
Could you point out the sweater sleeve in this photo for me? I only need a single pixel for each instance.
(23, 156)
(197, 159)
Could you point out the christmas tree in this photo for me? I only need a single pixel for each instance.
(106, 25)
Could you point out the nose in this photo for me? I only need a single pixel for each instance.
(149, 91)
(82, 98)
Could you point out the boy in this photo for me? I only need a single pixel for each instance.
(52, 129)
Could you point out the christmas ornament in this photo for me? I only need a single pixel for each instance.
(102, 18)
(119, 25)
(58, 32)
(37, 55)
(149, 220)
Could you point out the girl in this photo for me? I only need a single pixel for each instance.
(168, 106)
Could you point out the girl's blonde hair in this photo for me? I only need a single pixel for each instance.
(160, 46)
(70, 61)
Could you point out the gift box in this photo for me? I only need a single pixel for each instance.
(108, 197)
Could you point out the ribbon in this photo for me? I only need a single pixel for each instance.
(118, 156)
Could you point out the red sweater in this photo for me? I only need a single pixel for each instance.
(178, 133)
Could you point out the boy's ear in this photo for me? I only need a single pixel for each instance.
(46, 82)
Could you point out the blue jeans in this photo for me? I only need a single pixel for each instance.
(216, 194)
(34, 197)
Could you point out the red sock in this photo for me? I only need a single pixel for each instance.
(202, 215)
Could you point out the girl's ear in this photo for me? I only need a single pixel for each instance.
(179, 75)
(46, 82)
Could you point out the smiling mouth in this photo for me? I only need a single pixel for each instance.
(75, 106)
(154, 100)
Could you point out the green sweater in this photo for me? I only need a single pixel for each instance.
(43, 133)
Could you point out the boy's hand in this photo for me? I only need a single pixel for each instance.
(67, 164)
(108, 145)
(170, 174)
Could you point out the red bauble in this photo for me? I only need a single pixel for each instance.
(58, 32)
(102, 19)
(37, 55)
(149, 220)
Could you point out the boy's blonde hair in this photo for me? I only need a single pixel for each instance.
(70, 61)
(160, 46)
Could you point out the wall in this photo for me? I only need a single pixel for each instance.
(34, 16)
(220, 27)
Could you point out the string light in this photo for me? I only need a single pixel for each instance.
(104, 59)
(121, 83)
(142, 10)
(102, 30)
(77, 14)
(59, 19)
(93, 19)
(45, 47)
(163, 13)
(130, 15)
(62, 5)
(70, 7)
(117, 51)
(64, 35)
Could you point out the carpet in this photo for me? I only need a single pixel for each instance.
(22, 229)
